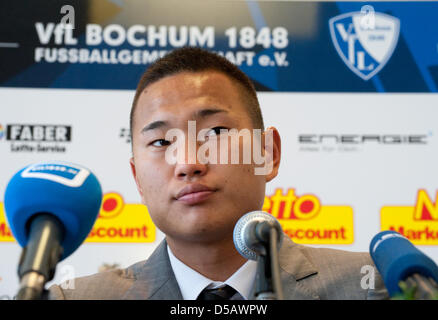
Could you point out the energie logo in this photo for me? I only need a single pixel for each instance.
(305, 220)
(418, 223)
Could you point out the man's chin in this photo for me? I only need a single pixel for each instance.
(202, 234)
(202, 215)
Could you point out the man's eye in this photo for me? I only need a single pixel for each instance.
(215, 131)
(160, 143)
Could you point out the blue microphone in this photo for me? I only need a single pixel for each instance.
(51, 208)
(403, 267)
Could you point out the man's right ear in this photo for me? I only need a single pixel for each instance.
(134, 173)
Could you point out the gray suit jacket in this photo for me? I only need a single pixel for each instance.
(306, 273)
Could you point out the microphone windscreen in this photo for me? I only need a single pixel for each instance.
(244, 237)
(67, 191)
(397, 258)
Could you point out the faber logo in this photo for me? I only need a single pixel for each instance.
(365, 40)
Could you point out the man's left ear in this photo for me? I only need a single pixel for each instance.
(272, 147)
(134, 174)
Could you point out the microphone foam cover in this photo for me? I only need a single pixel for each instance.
(67, 191)
(397, 258)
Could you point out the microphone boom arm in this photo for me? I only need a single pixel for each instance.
(39, 258)
(268, 281)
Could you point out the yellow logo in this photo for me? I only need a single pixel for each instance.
(5, 232)
(306, 221)
(117, 222)
(418, 223)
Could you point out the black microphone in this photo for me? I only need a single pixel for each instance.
(51, 208)
(258, 236)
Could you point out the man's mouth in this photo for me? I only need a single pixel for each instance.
(194, 194)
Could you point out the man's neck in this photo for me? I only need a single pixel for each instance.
(214, 261)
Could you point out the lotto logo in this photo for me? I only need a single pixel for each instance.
(305, 220)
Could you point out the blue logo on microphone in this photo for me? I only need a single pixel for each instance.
(60, 172)
(365, 42)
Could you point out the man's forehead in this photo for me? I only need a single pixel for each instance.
(188, 83)
(185, 90)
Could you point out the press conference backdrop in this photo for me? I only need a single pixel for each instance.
(351, 87)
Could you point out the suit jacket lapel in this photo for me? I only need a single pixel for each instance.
(295, 269)
(155, 279)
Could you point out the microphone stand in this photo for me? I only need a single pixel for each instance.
(268, 282)
(39, 258)
(263, 285)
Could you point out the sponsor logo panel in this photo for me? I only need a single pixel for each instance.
(418, 223)
(118, 222)
(37, 138)
(306, 220)
(352, 142)
(122, 222)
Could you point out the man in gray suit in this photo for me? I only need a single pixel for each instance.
(197, 203)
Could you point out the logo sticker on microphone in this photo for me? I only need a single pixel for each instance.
(386, 237)
(63, 173)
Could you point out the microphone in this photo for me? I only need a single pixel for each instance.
(251, 233)
(257, 236)
(406, 271)
(50, 208)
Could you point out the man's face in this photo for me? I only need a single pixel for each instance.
(192, 202)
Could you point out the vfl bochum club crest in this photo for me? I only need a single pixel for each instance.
(365, 43)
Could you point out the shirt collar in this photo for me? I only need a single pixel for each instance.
(191, 282)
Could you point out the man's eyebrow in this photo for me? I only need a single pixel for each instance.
(203, 113)
(155, 125)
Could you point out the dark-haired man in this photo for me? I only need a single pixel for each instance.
(197, 203)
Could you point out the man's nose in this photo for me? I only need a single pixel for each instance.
(188, 164)
(189, 170)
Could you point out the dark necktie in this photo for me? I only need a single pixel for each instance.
(223, 293)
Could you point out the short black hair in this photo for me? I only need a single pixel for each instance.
(197, 60)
